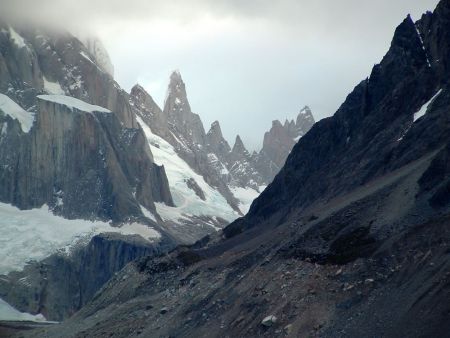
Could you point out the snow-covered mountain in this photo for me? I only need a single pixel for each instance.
(81, 158)
(234, 173)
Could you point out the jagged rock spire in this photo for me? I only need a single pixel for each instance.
(216, 142)
(279, 141)
(180, 117)
(142, 97)
(176, 97)
(305, 120)
(239, 147)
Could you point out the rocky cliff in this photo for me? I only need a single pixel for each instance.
(83, 161)
(61, 284)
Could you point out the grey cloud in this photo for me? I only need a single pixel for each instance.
(271, 59)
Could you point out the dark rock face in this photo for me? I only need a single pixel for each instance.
(61, 284)
(356, 221)
(371, 133)
(82, 164)
(86, 160)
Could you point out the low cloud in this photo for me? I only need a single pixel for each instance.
(250, 61)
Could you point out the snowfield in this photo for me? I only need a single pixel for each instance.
(53, 87)
(246, 196)
(178, 172)
(11, 108)
(8, 313)
(35, 234)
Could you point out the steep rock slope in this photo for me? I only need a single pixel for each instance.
(356, 221)
(95, 160)
(372, 133)
(82, 164)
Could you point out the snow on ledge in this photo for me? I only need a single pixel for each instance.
(53, 87)
(9, 107)
(423, 110)
(72, 103)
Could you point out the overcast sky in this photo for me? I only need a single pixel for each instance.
(244, 62)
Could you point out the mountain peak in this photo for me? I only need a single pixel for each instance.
(215, 129)
(137, 88)
(239, 146)
(276, 124)
(176, 101)
(305, 120)
(138, 92)
(214, 134)
(175, 76)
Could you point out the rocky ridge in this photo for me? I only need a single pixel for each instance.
(229, 170)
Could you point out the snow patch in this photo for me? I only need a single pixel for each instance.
(423, 45)
(35, 234)
(147, 213)
(9, 107)
(16, 38)
(72, 103)
(53, 87)
(246, 196)
(144, 231)
(178, 171)
(4, 130)
(83, 54)
(9, 313)
(423, 110)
